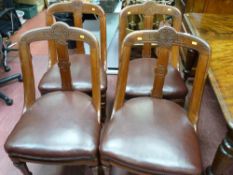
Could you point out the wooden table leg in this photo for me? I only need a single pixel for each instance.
(223, 159)
(189, 63)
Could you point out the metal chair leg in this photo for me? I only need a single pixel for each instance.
(4, 97)
(7, 100)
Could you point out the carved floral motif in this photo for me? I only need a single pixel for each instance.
(167, 36)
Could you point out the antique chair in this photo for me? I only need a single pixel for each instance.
(80, 62)
(150, 135)
(60, 127)
(140, 82)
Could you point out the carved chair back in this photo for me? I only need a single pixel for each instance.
(165, 38)
(78, 8)
(149, 9)
(60, 33)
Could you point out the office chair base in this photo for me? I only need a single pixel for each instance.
(8, 100)
(4, 59)
(6, 68)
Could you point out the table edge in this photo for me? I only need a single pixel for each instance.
(227, 115)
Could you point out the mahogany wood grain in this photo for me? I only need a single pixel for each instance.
(217, 30)
(209, 6)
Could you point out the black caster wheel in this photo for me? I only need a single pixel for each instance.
(9, 101)
(20, 78)
(7, 68)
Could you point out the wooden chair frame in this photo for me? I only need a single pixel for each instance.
(149, 9)
(77, 8)
(59, 33)
(165, 38)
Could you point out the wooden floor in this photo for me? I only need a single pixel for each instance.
(211, 127)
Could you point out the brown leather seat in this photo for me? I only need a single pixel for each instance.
(54, 129)
(80, 72)
(141, 78)
(154, 135)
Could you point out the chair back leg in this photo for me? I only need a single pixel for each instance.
(22, 166)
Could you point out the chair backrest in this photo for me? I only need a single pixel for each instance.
(59, 33)
(148, 10)
(165, 38)
(78, 8)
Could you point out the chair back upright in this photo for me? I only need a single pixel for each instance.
(59, 33)
(164, 38)
(78, 8)
(148, 10)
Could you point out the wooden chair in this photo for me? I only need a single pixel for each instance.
(60, 127)
(140, 82)
(80, 62)
(150, 135)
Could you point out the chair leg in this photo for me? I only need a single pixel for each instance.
(191, 59)
(95, 170)
(223, 159)
(106, 170)
(208, 171)
(22, 166)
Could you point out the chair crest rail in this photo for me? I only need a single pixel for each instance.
(167, 37)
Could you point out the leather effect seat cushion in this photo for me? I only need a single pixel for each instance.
(141, 77)
(151, 136)
(80, 73)
(58, 126)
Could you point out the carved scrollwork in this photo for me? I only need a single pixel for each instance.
(64, 65)
(60, 33)
(149, 8)
(167, 36)
(77, 4)
(160, 70)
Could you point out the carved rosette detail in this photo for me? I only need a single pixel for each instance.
(167, 36)
(60, 34)
(149, 8)
(77, 4)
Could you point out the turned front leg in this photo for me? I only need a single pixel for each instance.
(22, 166)
(223, 159)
